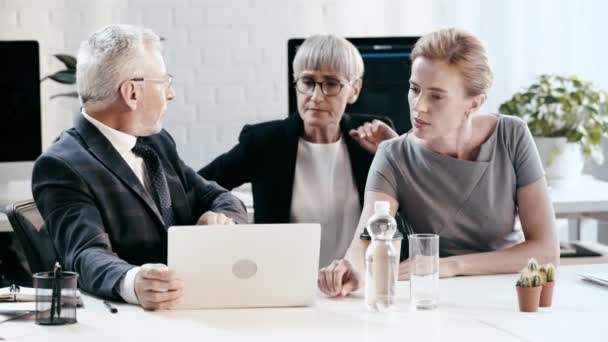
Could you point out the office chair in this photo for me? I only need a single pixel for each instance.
(37, 245)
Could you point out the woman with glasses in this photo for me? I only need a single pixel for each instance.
(307, 168)
(458, 173)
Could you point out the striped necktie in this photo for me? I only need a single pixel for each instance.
(158, 180)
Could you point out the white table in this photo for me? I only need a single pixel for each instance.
(584, 198)
(471, 309)
(587, 195)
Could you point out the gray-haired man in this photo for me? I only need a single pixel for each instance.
(111, 185)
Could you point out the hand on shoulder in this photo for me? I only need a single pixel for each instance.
(371, 134)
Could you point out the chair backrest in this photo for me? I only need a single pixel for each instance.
(28, 226)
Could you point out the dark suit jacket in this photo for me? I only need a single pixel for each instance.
(99, 215)
(266, 156)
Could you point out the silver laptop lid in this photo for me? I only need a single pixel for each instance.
(262, 265)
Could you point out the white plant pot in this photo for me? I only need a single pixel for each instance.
(563, 161)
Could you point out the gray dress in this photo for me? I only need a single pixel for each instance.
(471, 204)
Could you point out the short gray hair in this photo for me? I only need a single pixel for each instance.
(329, 52)
(108, 58)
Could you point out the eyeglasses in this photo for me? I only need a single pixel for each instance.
(329, 87)
(167, 79)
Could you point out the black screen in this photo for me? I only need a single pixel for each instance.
(385, 82)
(21, 138)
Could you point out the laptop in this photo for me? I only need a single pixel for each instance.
(245, 266)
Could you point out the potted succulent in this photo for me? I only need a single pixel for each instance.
(567, 117)
(529, 287)
(547, 274)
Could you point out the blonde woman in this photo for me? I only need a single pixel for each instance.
(457, 173)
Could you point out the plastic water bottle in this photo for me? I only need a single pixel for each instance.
(381, 260)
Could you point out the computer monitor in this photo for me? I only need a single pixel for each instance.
(20, 105)
(385, 82)
(21, 137)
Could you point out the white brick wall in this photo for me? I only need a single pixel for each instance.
(8, 20)
(229, 56)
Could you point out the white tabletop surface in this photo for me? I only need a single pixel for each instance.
(471, 309)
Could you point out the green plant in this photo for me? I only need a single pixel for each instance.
(530, 276)
(558, 106)
(532, 265)
(66, 76)
(529, 279)
(547, 273)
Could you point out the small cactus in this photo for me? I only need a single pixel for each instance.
(529, 279)
(532, 265)
(550, 272)
(547, 273)
(536, 280)
(523, 281)
(543, 274)
(531, 275)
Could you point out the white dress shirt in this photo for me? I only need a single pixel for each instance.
(324, 192)
(123, 143)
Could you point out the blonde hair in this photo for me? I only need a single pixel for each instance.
(460, 49)
(329, 52)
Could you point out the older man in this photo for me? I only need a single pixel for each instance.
(110, 187)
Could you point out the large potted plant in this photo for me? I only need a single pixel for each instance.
(568, 118)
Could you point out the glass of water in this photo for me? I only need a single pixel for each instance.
(424, 270)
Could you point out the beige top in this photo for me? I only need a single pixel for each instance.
(324, 192)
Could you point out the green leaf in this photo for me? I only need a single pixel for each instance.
(64, 77)
(592, 108)
(595, 135)
(551, 99)
(67, 60)
(560, 106)
(68, 94)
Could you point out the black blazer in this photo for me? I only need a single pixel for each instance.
(100, 217)
(266, 156)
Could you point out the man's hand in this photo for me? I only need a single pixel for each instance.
(338, 279)
(211, 217)
(370, 135)
(157, 287)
